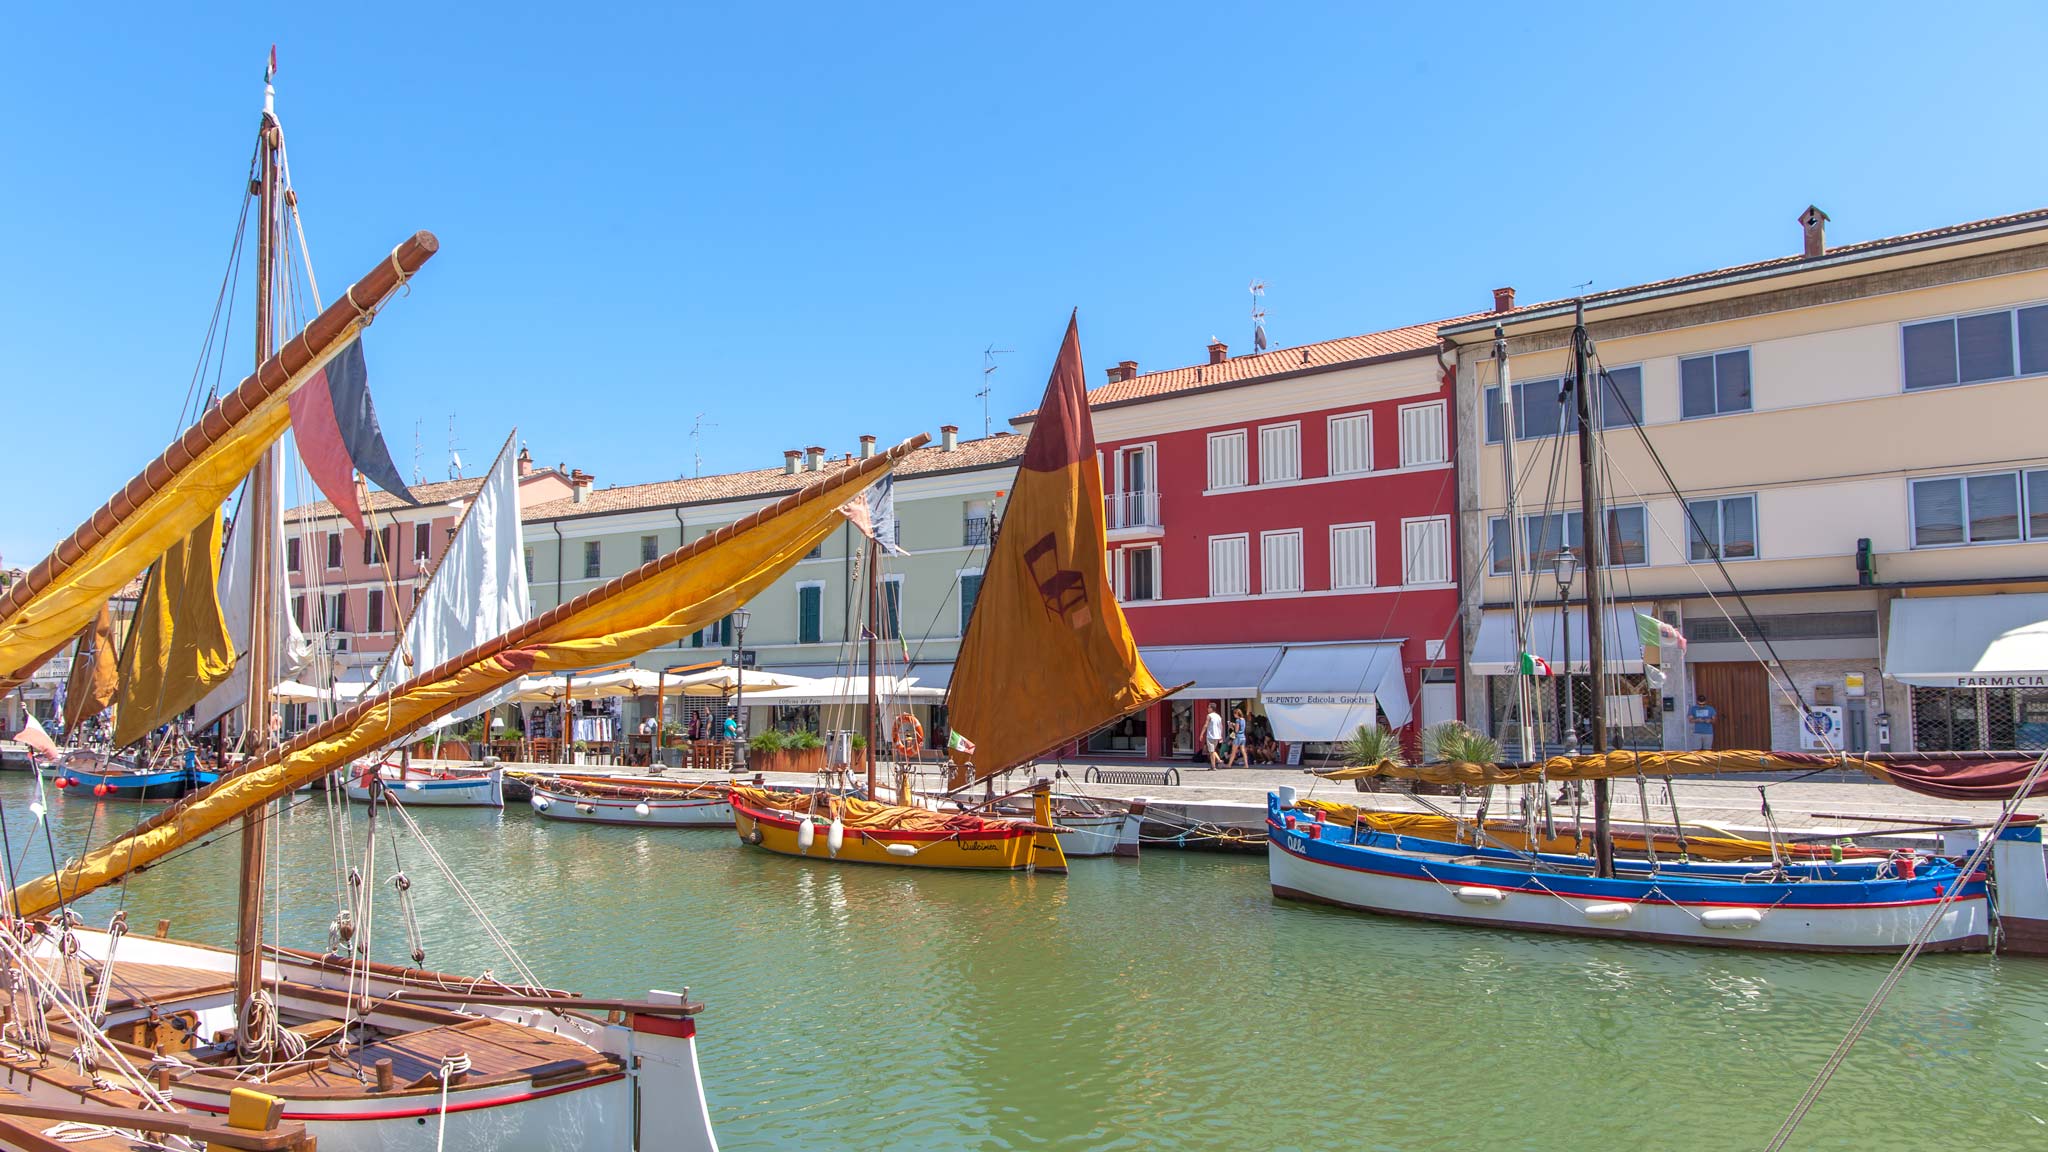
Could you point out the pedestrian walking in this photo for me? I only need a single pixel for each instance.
(1702, 715)
(1239, 739)
(1212, 734)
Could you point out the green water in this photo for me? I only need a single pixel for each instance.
(1165, 1004)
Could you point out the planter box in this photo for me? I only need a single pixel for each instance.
(787, 760)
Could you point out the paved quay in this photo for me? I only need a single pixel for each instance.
(1836, 804)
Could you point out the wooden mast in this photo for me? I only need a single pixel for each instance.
(1504, 381)
(874, 588)
(1594, 538)
(257, 517)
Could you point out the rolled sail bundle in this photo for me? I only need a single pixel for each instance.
(1950, 775)
(644, 800)
(862, 831)
(1429, 826)
(659, 603)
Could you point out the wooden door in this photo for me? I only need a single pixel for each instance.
(1742, 692)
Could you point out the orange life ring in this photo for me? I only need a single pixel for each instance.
(907, 735)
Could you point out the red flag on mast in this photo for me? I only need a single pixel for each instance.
(336, 427)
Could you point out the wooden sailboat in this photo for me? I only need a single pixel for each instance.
(1892, 906)
(640, 800)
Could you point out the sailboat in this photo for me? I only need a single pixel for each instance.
(1047, 658)
(1903, 903)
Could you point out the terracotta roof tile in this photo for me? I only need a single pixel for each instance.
(437, 492)
(1001, 448)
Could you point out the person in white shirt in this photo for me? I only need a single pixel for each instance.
(1212, 734)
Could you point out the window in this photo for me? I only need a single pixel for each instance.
(1543, 408)
(1543, 537)
(593, 558)
(1989, 509)
(1351, 556)
(291, 554)
(299, 612)
(817, 551)
(1426, 550)
(1135, 466)
(1422, 435)
(1138, 571)
(1972, 349)
(810, 613)
(1226, 459)
(334, 549)
(1713, 385)
(337, 612)
(374, 618)
(377, 545)
(974, 524)
(529, 564)
(970, 591)
(1280, 561)
(1722, 529)
(650, 549)
(1350, 444)
(1279, 453)
(1229, 565)
(717, 634)
(892, 607)
(1621, 401)
(423, 542)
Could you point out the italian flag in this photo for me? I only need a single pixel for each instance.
(1534, 665)
(955, 742)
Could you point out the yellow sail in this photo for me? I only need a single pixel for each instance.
(95, 672)
(193, 477)
(1048, 657)
(178, 646)
(660, 603)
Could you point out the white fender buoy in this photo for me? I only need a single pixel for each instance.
(541, 803)
(641, 809)
(1608, 912)
(835, 837)
(1732, 918)
(806, 835)
(1476, 894)
(902, 849)
(587, 809)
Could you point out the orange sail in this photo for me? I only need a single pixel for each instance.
(95, 673)
(178, 647)
(1048, 656)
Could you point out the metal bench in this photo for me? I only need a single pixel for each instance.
(1168, 777)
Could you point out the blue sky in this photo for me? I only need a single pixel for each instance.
(807, 223)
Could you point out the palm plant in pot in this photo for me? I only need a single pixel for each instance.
(1372, 744)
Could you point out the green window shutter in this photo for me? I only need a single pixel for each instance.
(810, 609)
(970, 591)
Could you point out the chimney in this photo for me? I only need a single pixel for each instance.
(949, 437)
(525, 462)
(817, 460)
(867, 447)
(579, 485)
(789, 458)
(1129, 368)
(1815, 222)
(1504, 299)
(1218, 351)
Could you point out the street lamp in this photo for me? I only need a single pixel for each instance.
(1567, 570)
(739, 680)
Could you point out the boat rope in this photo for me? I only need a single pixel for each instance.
(88, 1037)
(77, 1132)
(267, 1036)
(414, 946)
(1891, 980)
(476, 909)
(116, 929)
(451, 1066)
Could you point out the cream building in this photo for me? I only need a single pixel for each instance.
(1880, 400)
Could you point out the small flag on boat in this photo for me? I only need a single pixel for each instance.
(1534, 665)
(336, 427)
(1655, 634)
(874, 513)
(955, 742)
(32, 734)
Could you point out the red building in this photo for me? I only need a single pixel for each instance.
(1282, 535)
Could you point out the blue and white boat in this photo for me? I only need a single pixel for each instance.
(483, 788)
(156, 784)
(1316, 861)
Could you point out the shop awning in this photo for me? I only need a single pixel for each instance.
(1323, 692)
(1969, 641)
(1493, 652)
(932, 675)
(1219, 671)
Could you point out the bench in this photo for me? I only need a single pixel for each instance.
(1167, 777)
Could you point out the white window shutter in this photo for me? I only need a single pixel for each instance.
(1351, 557)
(1279, 453)
(1423, 439)
(1426, 551)
(1229, 563)
(1280, 562)
(1226, 459)
(1350, 444)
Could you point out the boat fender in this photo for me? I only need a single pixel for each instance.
(65, 782)
(103, 789)
(1608, 912)
(835, 836)
(1732, 918)
(753, 836)
(901, 849)
(641, 809)
(1477, 894)
(542, 803)
(587, 809)
(806, 835)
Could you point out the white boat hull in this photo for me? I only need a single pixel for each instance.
(684, 812)
(1102, 834)
(483, 790)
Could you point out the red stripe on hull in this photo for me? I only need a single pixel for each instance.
(410, 1113)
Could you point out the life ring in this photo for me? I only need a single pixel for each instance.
(907, 735)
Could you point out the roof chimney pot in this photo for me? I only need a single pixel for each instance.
(949, 437)
(1218, 352)
(525, 462)
(1815, 223)
(816, 463)
(867, 447)
(1129, 368)
(789, 458)
(1504, 299)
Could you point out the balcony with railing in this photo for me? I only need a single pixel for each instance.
(1131, 515)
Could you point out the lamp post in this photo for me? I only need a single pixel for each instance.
(739, 680)
(1567, 570)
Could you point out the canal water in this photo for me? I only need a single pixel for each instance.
(1168, 1003)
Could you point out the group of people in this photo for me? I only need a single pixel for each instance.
(698, 727)
(1231, 746)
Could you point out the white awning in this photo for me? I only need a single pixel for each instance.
(1219, 671)
(1493, 653)
(1969, 641)
(849, 690)
(1323, 692)
(932, 675)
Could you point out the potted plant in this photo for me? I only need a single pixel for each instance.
(579, 750)
(860, 751)
(1453, 743)
(765, 751)
(1372, 744)
(803, 751)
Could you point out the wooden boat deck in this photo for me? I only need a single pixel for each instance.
(138, 985)
(498, 1052)
(27, 1133)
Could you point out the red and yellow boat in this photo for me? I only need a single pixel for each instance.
(826, 827)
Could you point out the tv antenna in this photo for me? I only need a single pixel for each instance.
(454, 451)
(988, 371)
(419, 473)
(1258, 290)
(697, 428)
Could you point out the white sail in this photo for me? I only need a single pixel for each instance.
(294, 650)
(477, 594)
